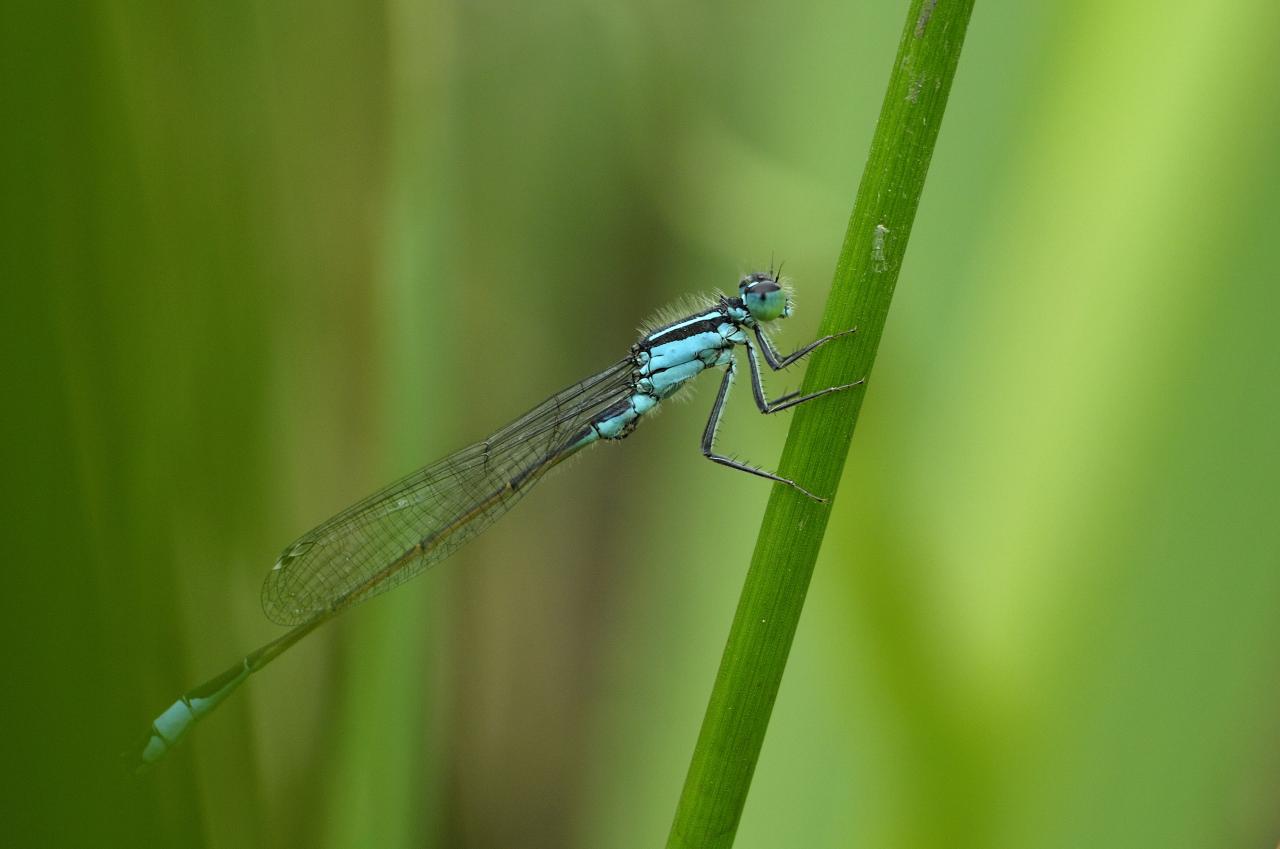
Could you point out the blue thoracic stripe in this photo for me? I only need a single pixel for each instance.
(712, 319)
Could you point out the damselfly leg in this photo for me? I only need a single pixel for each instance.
(765, 406)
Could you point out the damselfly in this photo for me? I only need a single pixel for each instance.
(419, 520)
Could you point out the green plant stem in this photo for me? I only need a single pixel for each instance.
(750, 673)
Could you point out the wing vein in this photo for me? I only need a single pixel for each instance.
(408, 526)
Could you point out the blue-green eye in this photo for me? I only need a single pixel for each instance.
(763, 298)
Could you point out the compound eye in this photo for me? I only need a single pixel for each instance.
(765, 300)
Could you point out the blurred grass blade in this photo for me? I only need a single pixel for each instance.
(791, 534)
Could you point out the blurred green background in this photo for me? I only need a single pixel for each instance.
(261, 258)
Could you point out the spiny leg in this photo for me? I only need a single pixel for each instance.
(709, 439)
(789, 400)
(778, 363)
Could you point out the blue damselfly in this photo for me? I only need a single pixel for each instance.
(402, 529)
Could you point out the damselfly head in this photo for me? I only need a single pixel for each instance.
(764, 297)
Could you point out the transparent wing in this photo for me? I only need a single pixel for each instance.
(402, 529)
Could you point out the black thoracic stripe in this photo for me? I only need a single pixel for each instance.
(665, 335)
(615, 409)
